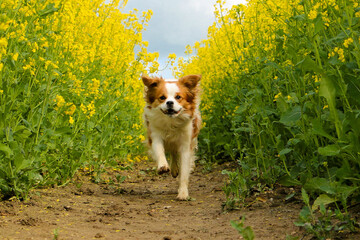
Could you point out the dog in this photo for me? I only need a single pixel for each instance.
(173, 123)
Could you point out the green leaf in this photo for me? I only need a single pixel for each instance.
(307, 64)
(241, 109)
(353, 89)
(247, 233)
(321, 184)
(289, 237)
(21, 133)
(49, 9)
(243, 129)
(289, 181)
(305, 216)
(301, 17)
(322, 209)
(6, 150)
(319, 25)
(293, 141)
(20, 163)
(40, 147)
(237, 225)
(63, 130)
(351, 122)
(290, 117)
(330, 150)
(328, 90)
(322, 199)
(346, 191)
(305, 196)
(334, 61)
(290, 196)
(285, 151)
(318, 130)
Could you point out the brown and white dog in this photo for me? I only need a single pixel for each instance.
(173, 123)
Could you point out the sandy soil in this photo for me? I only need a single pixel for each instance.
(144, 206)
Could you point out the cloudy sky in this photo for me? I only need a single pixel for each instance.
(175, 24)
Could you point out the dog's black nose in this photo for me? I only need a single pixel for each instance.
(169, 104)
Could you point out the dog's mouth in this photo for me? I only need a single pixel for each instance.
(170, 111)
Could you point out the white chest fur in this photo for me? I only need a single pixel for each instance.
(168, 128)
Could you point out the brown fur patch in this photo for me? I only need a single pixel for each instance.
(154, 89)
(189, 92)
(196, 127)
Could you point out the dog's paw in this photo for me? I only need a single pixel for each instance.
(163, 169)
(174, 172)
(183, 195)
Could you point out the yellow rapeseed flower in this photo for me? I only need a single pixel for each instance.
(83, 108)
(45, 44)
(277, 96)
(60, 102)
(316, 78)
(3, 42)
(91, 109)
(93, 87)
(172, 56)
(313, 14)
(141, 138)
(347, 42)
(4, 26)
(47, 64)
(340, 53)
(26, 67)
(71, 120)
(71, 109)
(15, 56)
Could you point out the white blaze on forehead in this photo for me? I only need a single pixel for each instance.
(172, 89)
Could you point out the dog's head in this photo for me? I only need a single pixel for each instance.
(172, 97)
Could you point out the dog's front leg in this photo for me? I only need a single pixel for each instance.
(185, 168)
(158, 153)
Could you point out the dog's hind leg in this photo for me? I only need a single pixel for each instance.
(174, 164)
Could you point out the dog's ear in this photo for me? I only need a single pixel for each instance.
(149, 82)
(190, 81)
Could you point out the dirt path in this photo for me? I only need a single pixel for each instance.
(143, 208)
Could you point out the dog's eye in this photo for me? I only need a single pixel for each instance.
(162, 98)
(178, 97)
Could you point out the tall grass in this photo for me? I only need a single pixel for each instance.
(70, 94)
(281, 96)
